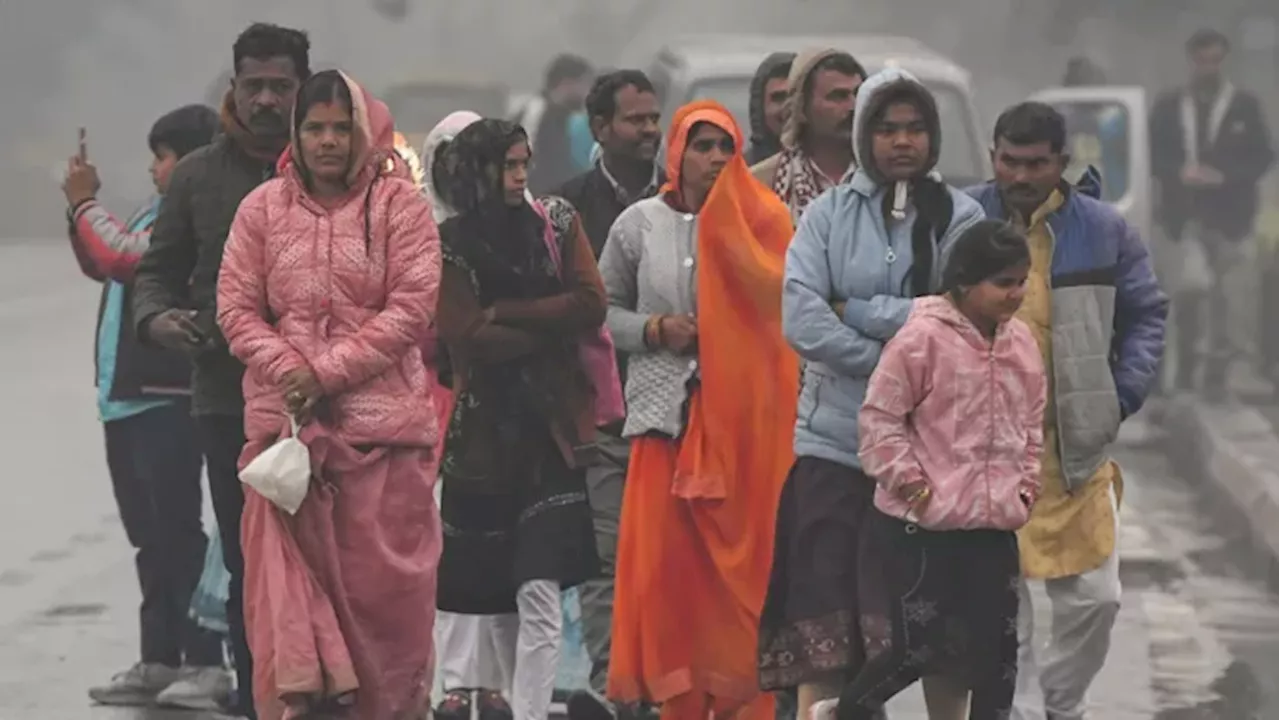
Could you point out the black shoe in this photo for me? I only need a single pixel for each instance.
(583, 705)
(493, 706)
(456, 705)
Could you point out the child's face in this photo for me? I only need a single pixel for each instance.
(998, 297)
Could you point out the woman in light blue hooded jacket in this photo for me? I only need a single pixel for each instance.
(863, 251)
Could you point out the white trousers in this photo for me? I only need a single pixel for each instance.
(517, 654)
(1084, 609)
(476, 651)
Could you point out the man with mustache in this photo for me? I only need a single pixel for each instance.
(816, 149)
(769, 106)
(1098, 314)
(1210, 149)
(176, 280)
(624, 113)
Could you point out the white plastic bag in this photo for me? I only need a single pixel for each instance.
(282, 473)
(1196, 275)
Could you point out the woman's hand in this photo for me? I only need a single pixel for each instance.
(301, 393)
(916, 495)
(679, 334)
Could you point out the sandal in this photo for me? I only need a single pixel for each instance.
(456, 705)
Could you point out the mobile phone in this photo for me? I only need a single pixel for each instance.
(84, 147)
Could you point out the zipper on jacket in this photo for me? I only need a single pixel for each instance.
(1053, 361)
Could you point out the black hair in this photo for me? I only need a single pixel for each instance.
(1207, 38)
(782, 70)
(1083, 71)
(983, 251)
(440, 177)
(325, 86)
(263, 41)
(183, 130)
(1029, 123)
(565, 67)
(841, 62)
(602, 100)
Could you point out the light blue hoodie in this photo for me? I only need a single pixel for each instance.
(844, 249)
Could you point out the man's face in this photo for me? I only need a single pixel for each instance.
(264, 91)
(1027, 174)
(775, 105)
(572, 93)
(900, 142)
(634, 131)
(1206, 66)
(829, 111)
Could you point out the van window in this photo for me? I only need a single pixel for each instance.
(960, 162)
(1098, 135)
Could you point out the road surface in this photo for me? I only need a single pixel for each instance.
(1197, 637)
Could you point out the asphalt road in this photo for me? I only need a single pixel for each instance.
(1197, 637)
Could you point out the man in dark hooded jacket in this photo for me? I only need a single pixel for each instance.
(177, 278)
(769, 106)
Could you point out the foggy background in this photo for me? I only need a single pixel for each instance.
(116, 65)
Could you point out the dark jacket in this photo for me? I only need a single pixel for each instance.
(764, 144)
(180, 267)
(1241, 151)
(599, 205)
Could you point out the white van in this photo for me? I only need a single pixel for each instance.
(720, 67)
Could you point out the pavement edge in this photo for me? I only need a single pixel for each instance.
(1233, 447)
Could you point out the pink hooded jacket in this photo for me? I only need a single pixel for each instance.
(348, 287)
(964, 414)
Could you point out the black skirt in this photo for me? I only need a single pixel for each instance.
(808, 627)
(494, 543)
(936, 603)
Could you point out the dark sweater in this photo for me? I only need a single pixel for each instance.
(180, 267)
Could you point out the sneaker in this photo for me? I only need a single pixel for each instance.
(199, 688)
(584, 705)
(139, 685)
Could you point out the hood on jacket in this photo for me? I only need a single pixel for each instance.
(801, 69)
(372, 141)
(700, 111)
(763, 141)
(939, 308)
(889, 85)
(444, 132)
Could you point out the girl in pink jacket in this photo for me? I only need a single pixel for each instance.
(328, 285)
(951, 430)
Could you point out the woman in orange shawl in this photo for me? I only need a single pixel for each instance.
(694, 279)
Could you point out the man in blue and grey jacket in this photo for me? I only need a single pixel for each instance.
(1098, 314)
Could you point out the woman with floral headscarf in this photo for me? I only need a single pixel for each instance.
(327, 287)
(694, 278)
(515, 302)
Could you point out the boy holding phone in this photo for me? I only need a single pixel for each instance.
(153, 453)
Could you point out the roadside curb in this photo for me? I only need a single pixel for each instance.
(1233, 447)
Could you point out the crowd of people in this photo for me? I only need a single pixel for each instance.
(801, 432)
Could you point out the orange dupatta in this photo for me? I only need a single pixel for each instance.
(696, 540)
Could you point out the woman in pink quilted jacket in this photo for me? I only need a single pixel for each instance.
(328, 285)
(951, 430)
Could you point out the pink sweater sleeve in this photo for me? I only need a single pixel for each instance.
(1037, 390)
(895, 389)
(413, 284)
(242, 297)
